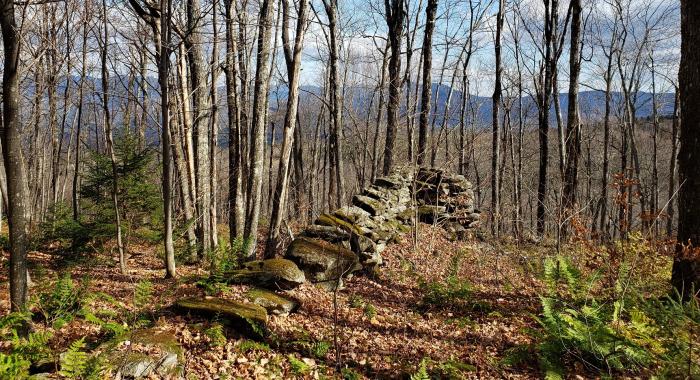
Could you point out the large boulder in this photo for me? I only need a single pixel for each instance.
(272, 302)
(247, 318)
(321, 261)
(273, 273)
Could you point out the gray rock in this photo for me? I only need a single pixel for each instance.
(165, 360)
(321, 261)
(272, 302)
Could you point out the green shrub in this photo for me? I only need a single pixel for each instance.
(350, 374)
(422, 372)
(451, 293)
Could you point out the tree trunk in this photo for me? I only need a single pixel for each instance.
(200, 125)
(427, 91)
(163, 69)
(394, 20)
(13, 159)
(107, 124)
(686, 266)
(292, 56)
(672, 165)
(235, 143)
(260, 100)
(573, 124)
(495, 139)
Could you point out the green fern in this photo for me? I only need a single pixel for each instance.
(422, 373)
(216, 335)
(74, 361)
(320, 349)
(143, 294)
(13, 366)
(61, 304)
(298, 367)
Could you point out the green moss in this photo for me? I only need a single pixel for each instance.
(322, 261)
(273, 272)
(368, 204)
(247, 317)
(333, 221)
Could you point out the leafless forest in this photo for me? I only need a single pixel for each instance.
(540, 152)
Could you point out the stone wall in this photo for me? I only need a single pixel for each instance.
(353, 237)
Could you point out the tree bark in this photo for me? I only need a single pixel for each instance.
(13, 158)
(573, 124)
(686, 266)
(163, 69)
(107, 124)
(292, 56)
(495, 112)
(235, 143)
(260, 101)
(427, 90)
(394, 19)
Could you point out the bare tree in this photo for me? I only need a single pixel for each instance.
(292, 56)
(426, 93)
(107, 125)
(394, 19)
(573, 125)
(260, 103)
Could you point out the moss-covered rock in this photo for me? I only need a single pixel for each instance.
(274, 273)
(322, 261)
(164, 359)
(372, 206)
(272, 302)
(334, 221)
(248, 318)
(328, 233)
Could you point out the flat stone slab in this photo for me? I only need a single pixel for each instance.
(247, 318)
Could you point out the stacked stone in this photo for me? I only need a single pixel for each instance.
(353, 237)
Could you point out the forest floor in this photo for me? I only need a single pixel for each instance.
(385, 326)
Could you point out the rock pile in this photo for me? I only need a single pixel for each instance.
(353, 237)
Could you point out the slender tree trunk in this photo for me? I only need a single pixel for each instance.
(78, 142)
(292, 55)
(427, 52)
(394, 19)
(107, 124)
(214, 130)
(495, 112)
(200, 125)
(543, 128)
(13, 158)
(672, 199)
(235, 124)
(336, 107)
(260, 101)
(163, 70)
